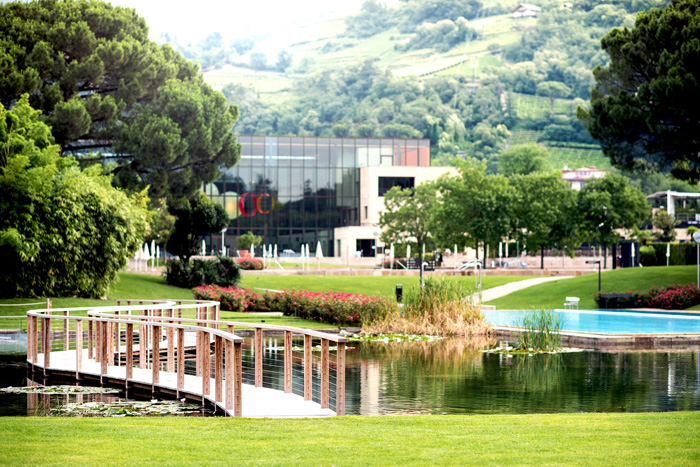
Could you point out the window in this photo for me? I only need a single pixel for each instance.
(387, 183)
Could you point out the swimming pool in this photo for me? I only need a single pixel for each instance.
(609, 322)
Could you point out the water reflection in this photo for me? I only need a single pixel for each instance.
(455, 376)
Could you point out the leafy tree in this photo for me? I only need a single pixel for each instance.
(63, 231)
(473, 206)
(553, 90)
(104, 87)
(665, 222)
(607, 204)
(406, 214)
(284, 60)
(544, 212)
(372, 19)
(643, 107)
(196, 218)
(247, 240)
(523, 159)
(258, 61)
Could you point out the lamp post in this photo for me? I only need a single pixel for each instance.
(696, 237)
(596, 261)
(223, 245)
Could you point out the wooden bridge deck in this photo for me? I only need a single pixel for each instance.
(259, 401)
(169, 341)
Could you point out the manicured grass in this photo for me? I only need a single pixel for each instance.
(545, 439)
(552, 294)
(366, 285)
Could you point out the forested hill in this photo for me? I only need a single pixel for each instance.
(464, 73)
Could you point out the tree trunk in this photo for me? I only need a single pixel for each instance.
(605, 256)
(541, 256)
(614, 255)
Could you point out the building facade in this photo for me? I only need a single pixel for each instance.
(303, 190)
(577, 178)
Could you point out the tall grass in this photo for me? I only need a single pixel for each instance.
(540, 330)
(440, 308)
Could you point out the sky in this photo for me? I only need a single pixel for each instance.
(191, 21)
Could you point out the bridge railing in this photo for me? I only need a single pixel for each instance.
(151, 335)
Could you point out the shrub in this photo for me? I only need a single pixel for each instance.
(333, 307)
(250, 264)
(233, 298)
(540, 330)
(674, 297)
(221, 271)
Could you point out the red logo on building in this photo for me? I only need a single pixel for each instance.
(257, 202)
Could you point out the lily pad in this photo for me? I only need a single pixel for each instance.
(59, 390)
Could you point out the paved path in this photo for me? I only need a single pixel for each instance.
(503, 290)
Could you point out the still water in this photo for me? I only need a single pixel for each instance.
(454, 376)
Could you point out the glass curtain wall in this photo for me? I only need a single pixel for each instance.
(295, 190)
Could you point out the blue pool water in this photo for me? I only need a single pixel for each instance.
(610, 322)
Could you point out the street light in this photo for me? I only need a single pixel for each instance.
(696, 237)
(596, 261)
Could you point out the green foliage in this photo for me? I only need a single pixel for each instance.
(665, 222)
(523, 159)
(406, 215)
(248, 239)
(103, 86)
(221, 271)
(195, 219)
(540, 330)
(372, 19)
(643, 108)
(680, 254)
(63, 231)
(442, 35)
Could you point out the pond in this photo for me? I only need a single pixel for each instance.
(455, 376)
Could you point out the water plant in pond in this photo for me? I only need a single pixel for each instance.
(124, 409)
(539, 330)
(440, 308)
(389, 337)
(59, 390)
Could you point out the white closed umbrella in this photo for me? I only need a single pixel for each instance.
(408, 251)
(137, 258)
(668, 253)
(455, 250)
(275, 251)
(204, 248)
(157, 251)
(506, 249)
(633, 256)
(252, 251)
(319, 254)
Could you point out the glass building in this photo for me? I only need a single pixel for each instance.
(296, 190)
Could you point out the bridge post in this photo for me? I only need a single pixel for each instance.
(142, 342)
(46, 344)
(218, 368)
(78, 348)
(340, 380)
(156, 356)
(308, 368)
(117, 339)
(325, 374)
(91, 341)
(230, 371)
(129, 351)
(206, 363)
(104, 359)
(287, 361)
(180, 360)
(238, 401)
(258, 357)
(65, 331)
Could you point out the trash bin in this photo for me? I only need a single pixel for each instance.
(399, 293)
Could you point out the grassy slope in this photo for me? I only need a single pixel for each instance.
(552, 294)
(552, 439)
(366, 285)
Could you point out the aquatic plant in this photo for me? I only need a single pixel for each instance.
(539, 330)
(440, 308)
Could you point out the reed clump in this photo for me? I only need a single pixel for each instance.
(440, 308)
(540, 330)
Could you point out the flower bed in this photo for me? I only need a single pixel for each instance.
(330, 307)
(674, 297)
(250, 264)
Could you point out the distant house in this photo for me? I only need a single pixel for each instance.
(577, 178)
(567, 5)
(525, 10)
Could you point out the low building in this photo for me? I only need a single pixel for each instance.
(577, 178)
(304, 190)
(525, 10)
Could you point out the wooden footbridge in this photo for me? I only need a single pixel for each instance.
(181, 349)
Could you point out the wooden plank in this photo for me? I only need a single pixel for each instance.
(103, 348)
(180, 359)
(258, 357)
(238, 380)
(206, 363)
(98, 338)
(308, 368)
(78, 347)
(91, 339)
(142, 343)
(117, 339)
(46, 346)
(65, 331)
(287, 361)
(218, 368)
(230, 367)
(340, 380)
(156, 355)
(30, 338)
(129, 351)
(325, 374)
(170, 335)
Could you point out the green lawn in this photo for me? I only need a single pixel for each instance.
(552, 294)
(545, 439)
(366, 285)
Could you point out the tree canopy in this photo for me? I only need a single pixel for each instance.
(196, 218)
(407, 214)
(644, 106)
(63, 231)
(104, 87)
